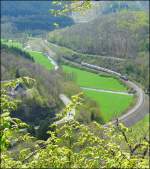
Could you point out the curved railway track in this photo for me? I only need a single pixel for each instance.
(136, 113)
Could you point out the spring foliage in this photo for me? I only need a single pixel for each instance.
(70, 145)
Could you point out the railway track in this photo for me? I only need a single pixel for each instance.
(139, 110)
(136, 113)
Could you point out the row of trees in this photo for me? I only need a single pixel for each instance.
(17, 50)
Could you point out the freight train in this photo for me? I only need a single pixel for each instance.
(104, 70)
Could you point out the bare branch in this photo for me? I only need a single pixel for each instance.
(125, 137)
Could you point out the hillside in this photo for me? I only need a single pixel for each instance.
(29, 18)
(101, 8)
(33, 18)
(113, 35)
(40, 103)
(121, 35)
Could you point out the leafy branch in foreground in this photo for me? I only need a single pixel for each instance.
(74, 145)
(68, 7)
(8, 124)
(75, 102)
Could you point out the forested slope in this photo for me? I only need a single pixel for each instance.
(40, 103)
(122, 35)
(29, 17)
(108, 7)
(117, 35)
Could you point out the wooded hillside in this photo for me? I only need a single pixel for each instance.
(117, 35)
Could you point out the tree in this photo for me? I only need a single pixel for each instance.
(72, 145)
(68, 7)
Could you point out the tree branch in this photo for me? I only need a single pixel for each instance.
(125, 137)
(33, 153)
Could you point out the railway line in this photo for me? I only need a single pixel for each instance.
(138, 111)
(134, 114)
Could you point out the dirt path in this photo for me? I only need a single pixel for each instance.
(105, 91)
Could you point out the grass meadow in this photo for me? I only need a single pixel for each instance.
(111, 105)
(41, 59)
(12, 43)
(88, 79)
(38, 56)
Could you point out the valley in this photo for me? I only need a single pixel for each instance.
(87, 79)
(108, 87)
(74, 84)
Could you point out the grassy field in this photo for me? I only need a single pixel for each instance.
(88, 79)
(41, 59)
(111, 105)
(12, 43)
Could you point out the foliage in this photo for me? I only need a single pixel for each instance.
(29, 18)
(105, 36)
(141, 128)
(39, 102)
(74, 145)
(67, 7)
(16, 48)
(70, 145)
(10, 125)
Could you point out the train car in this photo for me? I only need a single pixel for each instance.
(100, 69)
(124, 77)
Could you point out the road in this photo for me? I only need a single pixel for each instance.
(139, 110)
(70, 115)
(50, 54)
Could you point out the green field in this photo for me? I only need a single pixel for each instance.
(88, 79)
(41, 59)
(12, 43)
(111, 105)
